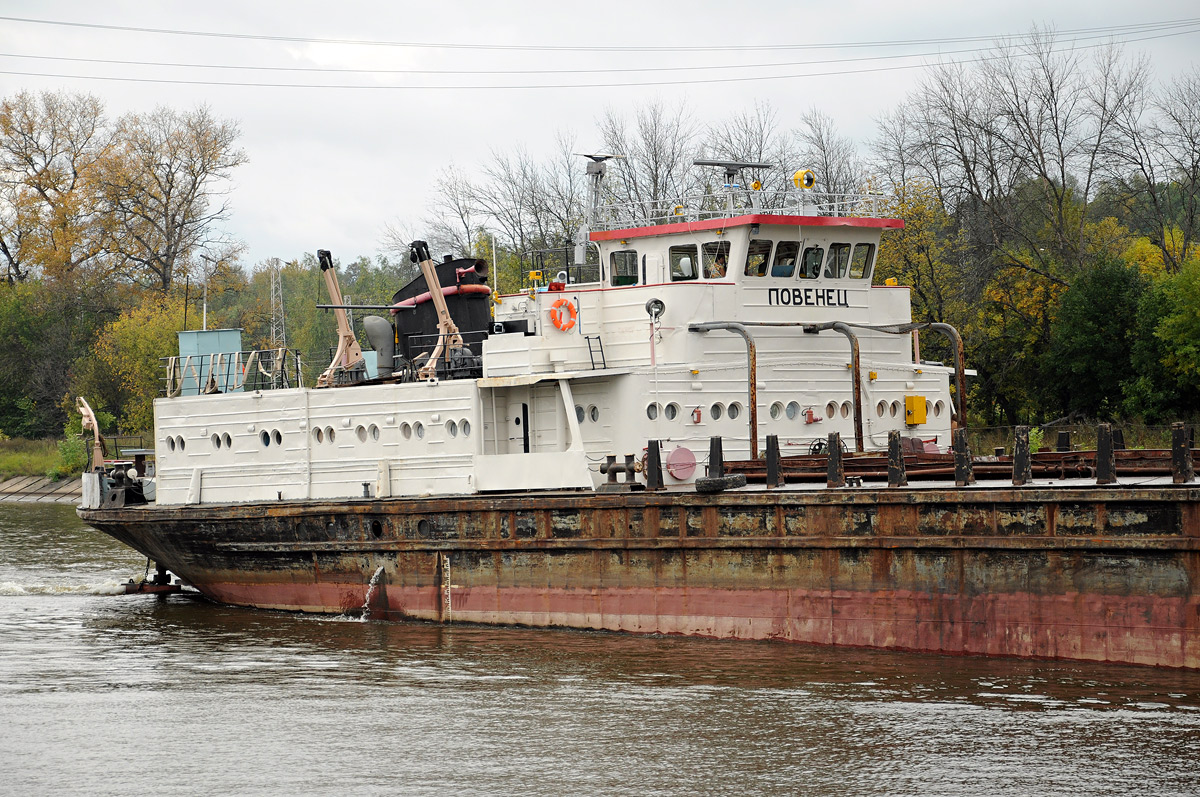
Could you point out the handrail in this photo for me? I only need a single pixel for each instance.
(960, 358)
(751, 372)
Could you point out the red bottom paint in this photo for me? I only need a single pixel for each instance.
(1128, 629)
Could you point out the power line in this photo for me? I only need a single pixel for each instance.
(1129, 28)
(617, 70)
(698, 81)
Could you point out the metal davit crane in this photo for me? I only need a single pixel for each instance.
(449, 338)
(348, 364)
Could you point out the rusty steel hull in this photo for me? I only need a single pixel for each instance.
(1104, 574)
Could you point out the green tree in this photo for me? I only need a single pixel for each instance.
(133, 347)
(1089, 356)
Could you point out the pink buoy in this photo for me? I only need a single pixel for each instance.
(681, 463)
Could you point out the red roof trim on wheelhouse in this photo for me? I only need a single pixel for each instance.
(741, 221)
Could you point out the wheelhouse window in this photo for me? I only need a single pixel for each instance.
(716, 259)
(784, 264)
(757, 257)
(810, 264)
(860, 264)
(683, 262)
(838, 261)
(623, 267)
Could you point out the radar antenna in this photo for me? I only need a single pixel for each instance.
(732, 170)
(595, 172)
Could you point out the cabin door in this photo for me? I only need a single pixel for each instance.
(517, 419)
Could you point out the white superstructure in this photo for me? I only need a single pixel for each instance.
(655, 348)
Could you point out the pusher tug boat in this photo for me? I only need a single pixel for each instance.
(670, 436)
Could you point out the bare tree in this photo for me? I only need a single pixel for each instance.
(656, 169)
(456, 214)
(164, 188)
(1155, 166)
(1016, 145)
(755, 136)
(832, 156)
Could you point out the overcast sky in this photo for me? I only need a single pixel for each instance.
(329, 167)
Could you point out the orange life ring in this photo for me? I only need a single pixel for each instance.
(564, 321)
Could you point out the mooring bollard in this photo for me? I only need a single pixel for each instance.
(1182, 470)
(654, 476)
(716, 458)
(1022, 467)
(1118, 439)
(774, 478)
(897, 477)
(964, 474)
(835, 469)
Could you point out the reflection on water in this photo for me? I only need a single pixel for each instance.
(132, 694)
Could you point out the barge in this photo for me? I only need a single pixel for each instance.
(576, 455)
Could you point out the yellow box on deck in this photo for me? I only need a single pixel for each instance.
(914, 410)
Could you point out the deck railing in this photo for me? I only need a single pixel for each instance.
(229, 372)
(725, 204)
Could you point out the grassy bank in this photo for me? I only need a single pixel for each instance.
(27, 457)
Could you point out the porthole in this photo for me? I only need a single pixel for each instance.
(374, 432)
(405, 431)
(671, 411)
(419, 430)
(845, 409)
(881, 408)
(594, 413)
(895, 408)
(318, 434)
(376, 529)
(831, 409)
(216, 441)
(792, 410)
(579, 414)
(265, 436)
(170, 443)
(361, 433)
(776, 411)
(179, 441)
(464, 426)
(452, 428)
(278, 436)
(227, 440)
(716, 411)
(734, 411)
(652, 412)
(937, 409)
(329, 433)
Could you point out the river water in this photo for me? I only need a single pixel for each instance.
(108, 694)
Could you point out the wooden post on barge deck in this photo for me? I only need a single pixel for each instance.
(716, 458)
(1022, 467)
(835, 469)
(1182, 469)
(654, 476)
(773, 465)
(964, 474)
(1106, 457)
(897, 477)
